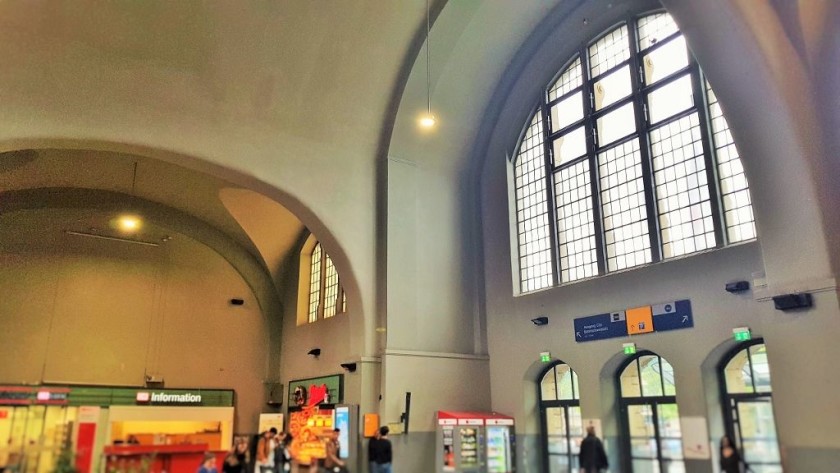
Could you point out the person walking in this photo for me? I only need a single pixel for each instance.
(592, 456)
(265, 452)
(379, 452)
(730, 459)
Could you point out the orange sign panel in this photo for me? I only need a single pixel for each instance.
(371, 424)
(639, 320)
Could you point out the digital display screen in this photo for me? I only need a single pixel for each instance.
(342, 421)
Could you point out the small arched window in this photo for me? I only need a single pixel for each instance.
(748, 405)
(628, 160)
(326, 295)
(562, 423)
(650, 415)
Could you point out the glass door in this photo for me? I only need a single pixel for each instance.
(564, 431)
(655, 438)
(756, 433)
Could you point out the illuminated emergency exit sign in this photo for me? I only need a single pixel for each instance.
(741, 334)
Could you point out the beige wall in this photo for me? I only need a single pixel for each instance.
(99, 312)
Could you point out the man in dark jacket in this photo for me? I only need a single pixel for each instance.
(379, 452)
(593, 458)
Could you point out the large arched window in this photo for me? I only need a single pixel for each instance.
(627, 161)
(748, 406)
(650, 415)
(326, 295)
(562, 424)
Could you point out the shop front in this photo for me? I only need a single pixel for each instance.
(118, 429)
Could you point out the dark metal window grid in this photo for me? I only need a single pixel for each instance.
(326, 295)
(653, 402)
(566, 405)
(680, 161)
(730, 402)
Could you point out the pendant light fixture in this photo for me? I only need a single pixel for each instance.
(428, 120)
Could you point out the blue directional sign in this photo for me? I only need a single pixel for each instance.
(601, 326)
(672, 316)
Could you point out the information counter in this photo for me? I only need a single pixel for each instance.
(157, 458)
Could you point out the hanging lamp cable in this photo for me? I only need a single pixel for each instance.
(428, 62)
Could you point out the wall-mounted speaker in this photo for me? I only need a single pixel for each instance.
(793, 301)
(274, 393)
(236, 301)
(737, 286)
(351, 367)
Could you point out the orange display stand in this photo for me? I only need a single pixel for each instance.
(162, 458)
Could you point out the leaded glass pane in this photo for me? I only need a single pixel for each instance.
(567, 111)
(670, 99)
(623, 206)
(609, 51)
(760, 368)
(575, 223)
(734, 188)
(682, 192)
(651, 376)
(532, 210)
(630, 385)
(665, 60)
(314, 283)
(738, 374)
(612, 88)
(569, 146)
(569, 80)
(655, 28)
(616, 125)
(564, 381)
(330, 289)
(548, 386)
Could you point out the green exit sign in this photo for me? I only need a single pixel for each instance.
(545, 357)
(629, 348)
(741, 334)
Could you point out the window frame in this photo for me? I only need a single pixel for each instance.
(729, 401)
(563, 404)
(307, 286)
(624, 403)
(639, 97)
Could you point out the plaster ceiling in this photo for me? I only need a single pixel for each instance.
(127, 178)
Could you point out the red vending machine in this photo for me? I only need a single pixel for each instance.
(475, 442)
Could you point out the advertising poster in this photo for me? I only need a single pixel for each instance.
(695, 438)
(342, 422)
(269, 420)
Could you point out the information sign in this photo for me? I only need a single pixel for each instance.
(662, 317)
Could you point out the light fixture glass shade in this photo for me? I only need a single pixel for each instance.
(427, 120)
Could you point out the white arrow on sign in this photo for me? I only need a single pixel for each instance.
(685, 319)
(578, 334)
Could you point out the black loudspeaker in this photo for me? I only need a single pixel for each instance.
(737, 286)
(274, 393)
(237, 301)
(540, 321)
(793, 301)
(351, 367)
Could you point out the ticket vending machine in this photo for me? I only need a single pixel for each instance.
(475, 442)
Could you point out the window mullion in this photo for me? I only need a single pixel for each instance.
(644, 147)
(323, 294)
(594, 170)
(551, 211)
(701, 103)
